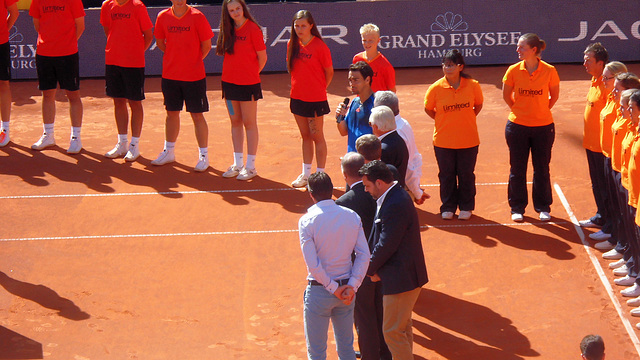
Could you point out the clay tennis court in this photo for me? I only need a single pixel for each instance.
(101, 259)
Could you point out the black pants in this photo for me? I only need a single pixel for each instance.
(618, 236)
(457, 178)
(368, 319)
(539, 141)
(595, 160)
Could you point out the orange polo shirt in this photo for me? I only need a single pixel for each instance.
(455, 122)
(627, 144)
(596, 100)
(607, 117)
(619, 129)
(633, 174)
(531, 93)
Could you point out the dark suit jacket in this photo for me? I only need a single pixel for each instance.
(397, 254)
(394, 152)
(362, 203)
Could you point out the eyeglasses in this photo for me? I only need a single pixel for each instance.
(449, 65)
(604, 78)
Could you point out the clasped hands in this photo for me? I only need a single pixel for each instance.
(345, 293)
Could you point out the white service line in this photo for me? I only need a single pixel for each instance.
(599, 270)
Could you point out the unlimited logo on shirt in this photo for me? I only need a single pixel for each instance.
(178, 29)
(529, 92)
(120, 16)
(456, 107)
(52, 8)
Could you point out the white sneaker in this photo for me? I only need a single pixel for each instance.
(612, 255)
(625, 281)
(75, 145)
(118, 151)
(635, 312)
(544, 216)
(165, 157)
(246, 174)
(605, 245)
(4, 138)
(617, 264)
(232, 171)
(203, 163)
(631, 291)
(447, 215)
(300, 181)
(44, 142)
(621, 271)
(634, 302)
(132, 154)
(599, 236)
(517, 217)
(464, 215)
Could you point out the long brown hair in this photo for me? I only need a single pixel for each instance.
(227, 35)
(294, 45)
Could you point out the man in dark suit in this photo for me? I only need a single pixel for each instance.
(397, 259)
(370, 147)
(368, 309)
(394, 149)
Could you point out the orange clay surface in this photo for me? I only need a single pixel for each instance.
(100, 259)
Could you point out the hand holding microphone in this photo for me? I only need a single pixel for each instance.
(341, 111)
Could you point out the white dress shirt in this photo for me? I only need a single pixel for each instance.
(414, 165)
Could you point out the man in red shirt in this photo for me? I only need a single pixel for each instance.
(184, 35)
(128, 28)
(59, 24)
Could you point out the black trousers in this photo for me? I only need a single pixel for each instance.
(595, 160)
(457, 178)
(368, 320)
(618, 235)
(522, 140)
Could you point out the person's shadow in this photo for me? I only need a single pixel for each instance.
(15, 346)
(503, 340)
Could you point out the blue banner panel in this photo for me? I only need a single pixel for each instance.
(414, 33)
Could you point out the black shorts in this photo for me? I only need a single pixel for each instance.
(241, 92)
(5, 62)
(192, 93)
(54, 70)
(124, 82)
(309, 109)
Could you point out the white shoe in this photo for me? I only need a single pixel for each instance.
(118, 151)
(447, 215)
(625, 281)
(621, 271)
(617, 264)
(544, 216)
(605, 245)
(300, 181)
(165, 157)
(599, 236)
(4, 138)
(246, 174)
(634, 302)
(203, 163)
(517, 217)
(132, 154)
(635, 312)
(588, 224)
(464, 215)
(612, 255)
(44, 142)
(75, 145)
(232, 171)
(631, 291)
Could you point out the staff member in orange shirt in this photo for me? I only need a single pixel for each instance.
(530, 88)
(634, 180)
(454, 101)
(245, 54)
(311, 68)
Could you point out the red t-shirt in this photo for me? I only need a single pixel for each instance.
(182, 59)
(4, 32)
(57, 35)
(126, 23)
(384, 75)
(241, 67)
(308, 82)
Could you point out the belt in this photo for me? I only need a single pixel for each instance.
(340, 282)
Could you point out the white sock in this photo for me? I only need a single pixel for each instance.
(122, 138)
(5, 127)
(204, 151)
(251, 162)
(306, 169)
(169, 146)
(319, 169)
(75, 131)
(238, 159)
(134, 141)
(48, 129)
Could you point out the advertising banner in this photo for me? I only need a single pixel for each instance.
(414, 33)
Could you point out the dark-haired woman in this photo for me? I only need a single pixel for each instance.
(245, 54)
(311, 68)
(453, 102)
(530, 87)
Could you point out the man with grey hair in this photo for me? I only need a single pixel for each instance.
(394, 149)
(414, 165)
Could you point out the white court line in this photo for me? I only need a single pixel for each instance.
(214, 233)
(13, 197)
(599, 270)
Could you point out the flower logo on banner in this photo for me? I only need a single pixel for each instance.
(15, 36)
(449, 22)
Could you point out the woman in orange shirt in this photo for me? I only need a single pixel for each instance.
(245, 54)
(530, 88)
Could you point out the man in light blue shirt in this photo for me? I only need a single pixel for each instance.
(329, 235)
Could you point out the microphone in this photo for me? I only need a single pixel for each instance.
(340, 117)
